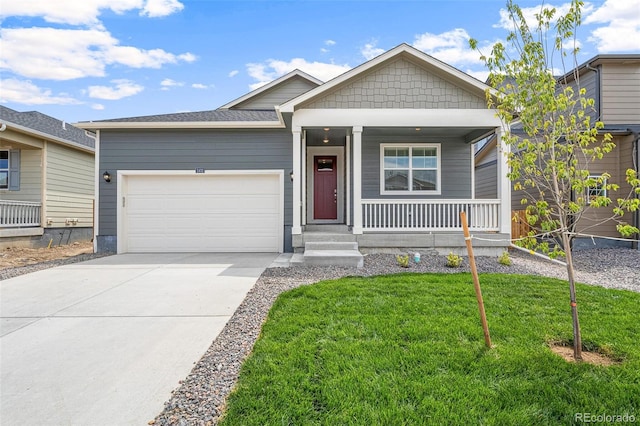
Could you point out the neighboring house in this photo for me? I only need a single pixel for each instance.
(381, 156)
(613, 81)
(46, 180)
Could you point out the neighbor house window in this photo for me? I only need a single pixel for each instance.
(410, 169)
(4, 169)
(598, 189)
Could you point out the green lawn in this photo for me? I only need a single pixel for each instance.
(409, 349)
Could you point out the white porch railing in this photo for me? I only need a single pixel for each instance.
(19, 214)
(429, 215)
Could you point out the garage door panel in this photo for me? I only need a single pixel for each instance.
(203, 213)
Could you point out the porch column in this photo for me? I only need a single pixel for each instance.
(296, 228)
(504, 184)
(357, 179)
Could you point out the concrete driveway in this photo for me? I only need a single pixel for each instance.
(104, 342)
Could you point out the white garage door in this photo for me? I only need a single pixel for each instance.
(201, 213)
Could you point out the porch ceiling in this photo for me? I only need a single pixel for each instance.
(470, 134)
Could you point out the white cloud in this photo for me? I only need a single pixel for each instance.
(158, 8)
(233, 73)
(85, 12)
(98, 107)
(201, 86)
(25, 92)
(65, 54)
(530, 14)
(451, 47)
(122, 89)
(479, 75)
(370, 51)
(167, 83)
(329, 43)
(273, 68)
(622, 30)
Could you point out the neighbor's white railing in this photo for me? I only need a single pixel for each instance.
(429, 215)
(18, 214)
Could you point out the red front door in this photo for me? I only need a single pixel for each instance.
(325, 188)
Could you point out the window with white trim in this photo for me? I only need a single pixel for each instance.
(410, 169)
(598, 189)
(4, 169)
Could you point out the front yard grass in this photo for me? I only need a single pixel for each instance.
(409, 349)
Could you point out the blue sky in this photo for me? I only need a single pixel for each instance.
(80, 60)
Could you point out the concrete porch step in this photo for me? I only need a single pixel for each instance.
(328, 237)
(329, 253)
(333, 258)
(342, 229)
(330, 245)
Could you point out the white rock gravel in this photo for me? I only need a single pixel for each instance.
(200, 398)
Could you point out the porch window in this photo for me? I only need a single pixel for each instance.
(410, 169)
(4, 169)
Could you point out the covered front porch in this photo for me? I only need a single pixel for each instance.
(393, 188)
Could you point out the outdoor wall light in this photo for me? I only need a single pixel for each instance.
(291, 175)
(106, 176)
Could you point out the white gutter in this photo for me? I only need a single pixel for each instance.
(97, 125)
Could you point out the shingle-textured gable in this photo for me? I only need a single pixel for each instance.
(202, 116)
(42, 123)
(399, 83)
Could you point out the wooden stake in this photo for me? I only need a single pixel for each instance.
(476, 280)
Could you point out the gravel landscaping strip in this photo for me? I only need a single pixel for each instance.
(7, 273)
(200, 398)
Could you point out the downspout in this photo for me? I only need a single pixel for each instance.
(597, 97)
(96, 185)
(637, 169)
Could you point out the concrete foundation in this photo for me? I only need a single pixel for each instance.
(588, 243)
(443, 243)
(42, 237)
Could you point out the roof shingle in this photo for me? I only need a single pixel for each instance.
(42, 123)
(201, 116)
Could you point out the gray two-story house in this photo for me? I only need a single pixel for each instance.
(613, 81)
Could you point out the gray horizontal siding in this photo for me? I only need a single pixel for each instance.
(487, 181)
(455, 163)
(620, 93)
(278, 95)
(188, 150)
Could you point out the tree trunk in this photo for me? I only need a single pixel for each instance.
(577, 337)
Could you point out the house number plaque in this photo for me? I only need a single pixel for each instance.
(200, 170)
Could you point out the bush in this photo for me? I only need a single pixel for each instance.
(403, 260)
(504, 258)
(453, 260)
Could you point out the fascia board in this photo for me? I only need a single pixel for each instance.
(48, 137)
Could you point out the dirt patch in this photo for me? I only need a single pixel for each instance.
(594, 358)
(17, 256)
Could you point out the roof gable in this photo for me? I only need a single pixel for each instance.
(399, 83)
(276, 92)
(392, 80)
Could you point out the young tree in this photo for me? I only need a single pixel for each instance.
(553, 137)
